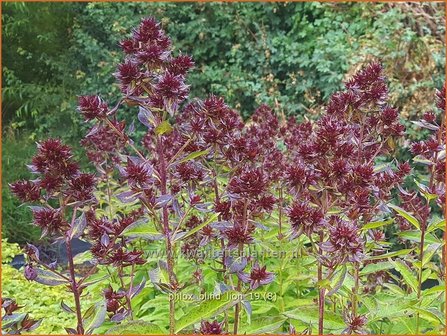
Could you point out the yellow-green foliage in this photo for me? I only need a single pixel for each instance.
(40, 301)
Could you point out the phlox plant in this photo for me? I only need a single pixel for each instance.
(361, 231)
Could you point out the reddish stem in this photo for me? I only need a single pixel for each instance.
(170, 260)
(74, 287)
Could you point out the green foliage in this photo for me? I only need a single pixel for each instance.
(40, 300)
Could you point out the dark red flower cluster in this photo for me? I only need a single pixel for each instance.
(257, 277)
(104, 142)
(211, 328)
(114, 301)
(305, 219)
(81, 187)
(58, 178)
(150, 70)
(50, 221)
(344, 242)
(26, 191)
(248, 183)
(238, 235)
(138, 174)
(355, 324)
(110, 247)
(92, 107)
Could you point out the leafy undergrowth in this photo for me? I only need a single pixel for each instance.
(41, 301)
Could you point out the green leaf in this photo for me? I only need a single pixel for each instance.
(423, 189)
(409, 217)
(435, 289)
(337, 282)
(82, 257)
(437, 224)
(136, 328)
(207, 309)
(391, 306)
(309, 314)
(142, 229)
(263, 326)
(416, 237)
(164, 127)
(49, 278)
(390, 254)
(408, 276)
(98, 316)
(194, 155)
(430, 316)
(372, 268)
(429, 252)
(374, 225)
(200, 227)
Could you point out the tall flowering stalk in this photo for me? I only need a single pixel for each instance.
(420, 204)
(153, 80)
(63, 195)
(332, 178)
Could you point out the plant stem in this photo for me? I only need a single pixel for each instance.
(74, 286)
(320, 294)
(123, 286)
(421, 257)
(239, 283)
(170, 260)
(280, 236)
(238, 305)
(356, 289)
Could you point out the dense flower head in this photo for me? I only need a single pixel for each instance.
(149, 30)
(299, 175)
(257, 277)
(248, 182)
(369, 84)
(265, 203)
(103, 143)
(138, 175)
(355, 324)
(211, 328)
(81, 187)
(171, 86)
(50, 220)
(92, 107)
(54, 158)
(180, 65)
(119, 257)
(389, 115)
(152, 55)
(305, 219)
(223, 208)
(238, 235)
(26, 191)
(129, 46)
(190, 171)
(127, 72)
(344, 242)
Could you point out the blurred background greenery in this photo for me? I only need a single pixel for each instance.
(291, 56)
